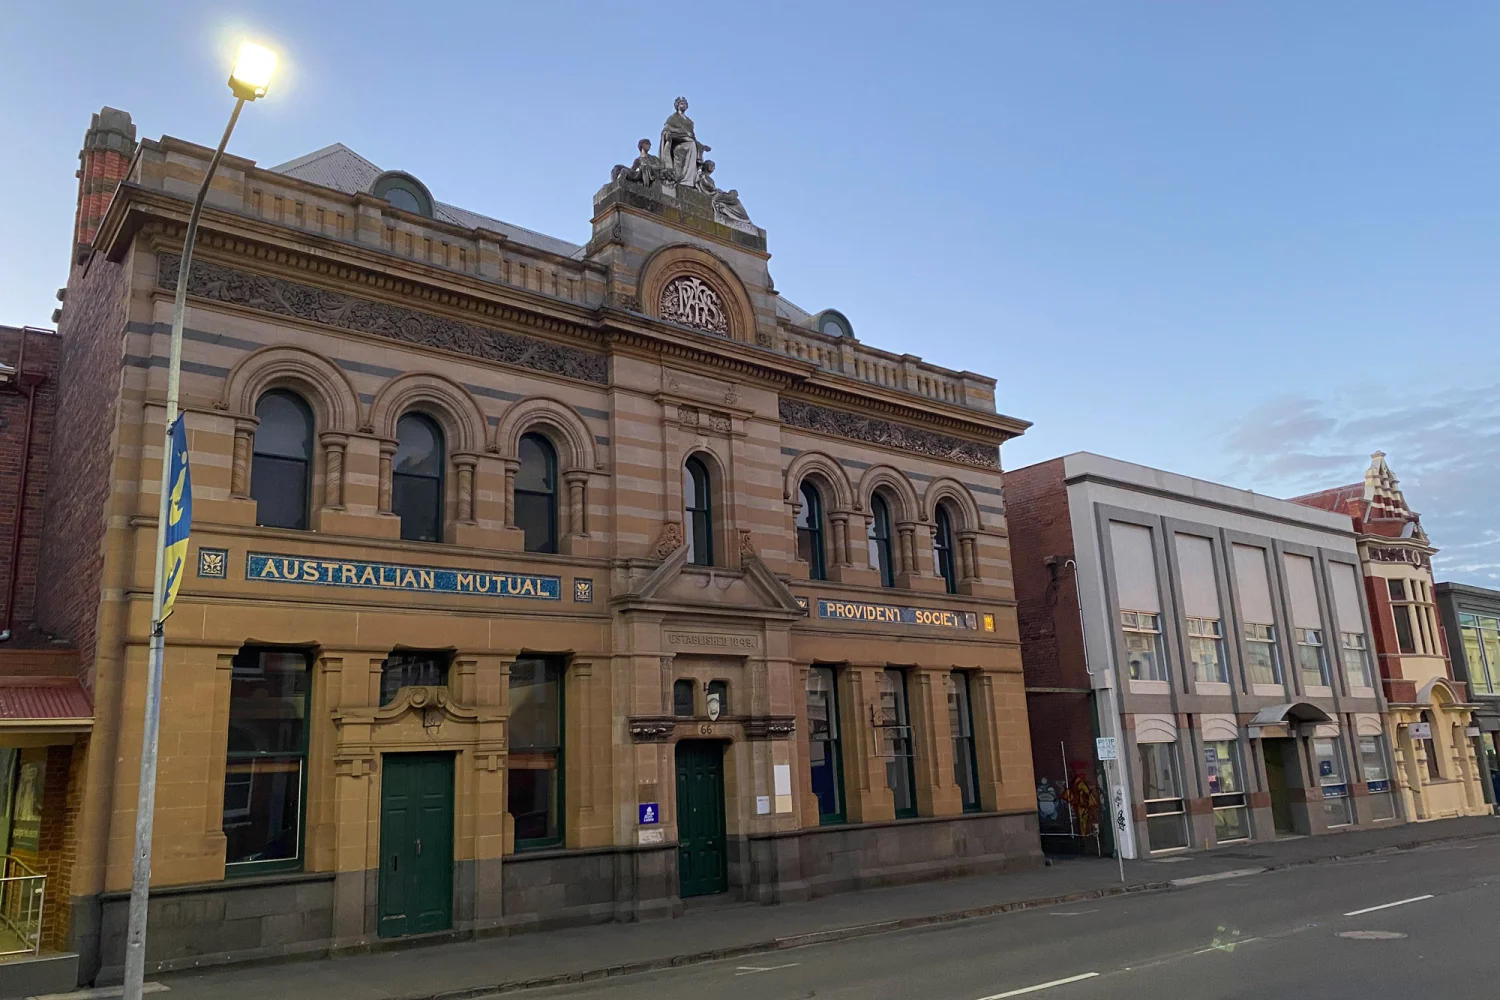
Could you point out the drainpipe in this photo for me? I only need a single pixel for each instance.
(16, 528)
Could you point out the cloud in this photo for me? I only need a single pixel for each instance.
(1443, 444)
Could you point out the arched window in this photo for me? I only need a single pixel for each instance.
(880, 540)
(942, 549)
(810, 533)
(536, 493)
(697, 498)
(417, 478)
(281, 469)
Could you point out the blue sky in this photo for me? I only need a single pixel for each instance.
(1246, 242)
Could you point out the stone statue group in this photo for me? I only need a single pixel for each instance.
(681, 164)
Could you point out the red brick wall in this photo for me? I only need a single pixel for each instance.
(91, 331)
(1036, 509)
(41, 367)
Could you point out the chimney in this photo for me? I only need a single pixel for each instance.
(108, 148)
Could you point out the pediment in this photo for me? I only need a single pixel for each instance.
(752, 588)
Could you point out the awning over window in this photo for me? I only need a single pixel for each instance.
(1291, 712)
(44, 704)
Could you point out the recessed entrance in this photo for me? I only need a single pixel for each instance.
(1280, 755)
(416, 844)
(702, 863)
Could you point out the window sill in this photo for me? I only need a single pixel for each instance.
(1361, 692)
(1218, 688)
(1268, 690)
(1149, 687)
(1318, 691)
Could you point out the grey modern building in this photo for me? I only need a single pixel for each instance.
(1225, 646)
(1471, 621)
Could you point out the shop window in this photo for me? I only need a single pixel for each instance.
(1481, 642)
(1206, 650)
(684, 698)
(1161, 790)
(265, 772)
(718, 691)
(1226, 789)
(536, 493)
(961, 725)
(535, 769)
(893, 731)
(1310, 657)
(698, 498)
(413, 668)
(880, 541)
(1430, 749)
(281, 466)
(825, 756)
(1143, 645)
(1330, 768)
(417, 478)
(810, 547)
(1262, 664)
(942, 549)
(1377, 777)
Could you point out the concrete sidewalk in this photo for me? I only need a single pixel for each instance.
(484, 967)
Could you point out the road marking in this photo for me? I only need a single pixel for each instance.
(1229, 946)
(1387, 906)
(1216, 876)
(1372, 935)
(1070, 913)
(1042, 986)
(750, 970)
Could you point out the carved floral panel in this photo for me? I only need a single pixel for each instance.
(874, 430)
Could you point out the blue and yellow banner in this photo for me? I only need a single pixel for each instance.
(398, 576)
(179, 517)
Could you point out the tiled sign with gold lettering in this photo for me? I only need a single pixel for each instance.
(890, 614)
(397, 576)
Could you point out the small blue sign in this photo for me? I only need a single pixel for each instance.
(650, 814)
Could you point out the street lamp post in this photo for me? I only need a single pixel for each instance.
(248, 80)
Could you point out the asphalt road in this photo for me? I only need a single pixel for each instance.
(1429, 930)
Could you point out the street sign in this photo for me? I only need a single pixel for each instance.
(650, 813)
(1420, 730)
(1105, 749)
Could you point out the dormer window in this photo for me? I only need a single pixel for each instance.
(832, 323)
(403, 191)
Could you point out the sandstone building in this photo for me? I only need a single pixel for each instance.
(533, 583)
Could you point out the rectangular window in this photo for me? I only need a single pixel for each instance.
(1481, 639)
(1377, 778)
(1161, 790)
(1430, 749)
(1226, 789)
(1331, 779)
(824, 753)
(1206, 650)
(1143, 645)
(961, 724)
(1405, 641)
(413, 668)
(1310, 658)
(535, 770)
(1262, 665)
(265, 773)
(893, 730)
(1356, 658)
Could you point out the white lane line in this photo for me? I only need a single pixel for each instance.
(1216, 876)
(1041, 986)
(1225, 947)
(1387, 906)
(750, 970)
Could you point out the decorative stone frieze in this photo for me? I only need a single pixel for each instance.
(874, 430)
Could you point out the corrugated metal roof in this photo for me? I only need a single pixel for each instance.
(341, 168)
(38, 699)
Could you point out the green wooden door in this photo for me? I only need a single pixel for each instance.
(416, 844)
(702, 865)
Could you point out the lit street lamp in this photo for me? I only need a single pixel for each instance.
(248, 80)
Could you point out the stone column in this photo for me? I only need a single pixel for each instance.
(987, 742)
(968, 552)
(333, 468)
(512, 466)
(577, 502)
(387, 454)
(840, 521)
(906, 533)
(465, 464)
(244, 438)
(932, 741)
(868, 798)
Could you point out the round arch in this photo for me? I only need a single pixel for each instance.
(1438, 693)
(321, 383)
(960, 502)
(441, 398)
(895, 484)
(557, 421)
(815, 463)
(679, 259)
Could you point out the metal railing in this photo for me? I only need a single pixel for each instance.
(22, 893)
